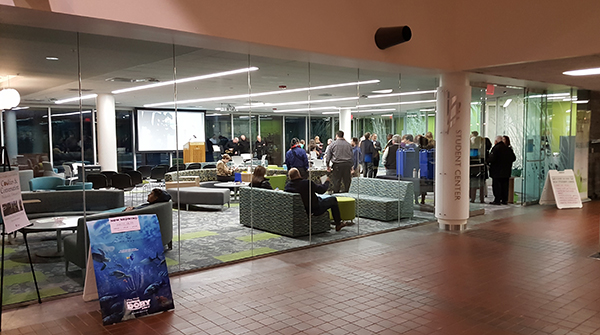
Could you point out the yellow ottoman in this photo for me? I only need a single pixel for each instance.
(347, 207)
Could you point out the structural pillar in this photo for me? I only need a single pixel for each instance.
(452, 151)
(11, 139)
(346, 124)
(107, 132)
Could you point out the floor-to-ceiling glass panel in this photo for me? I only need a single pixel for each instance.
(125, 143)
(280, 220)
(536, 146)
(41, 65)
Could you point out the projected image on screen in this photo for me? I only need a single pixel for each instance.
(156, 129)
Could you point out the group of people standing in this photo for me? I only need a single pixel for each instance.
(497, 160)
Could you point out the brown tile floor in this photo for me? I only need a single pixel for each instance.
(527, 271)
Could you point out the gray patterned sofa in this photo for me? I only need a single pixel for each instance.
(207, 174)
(278, 212)
(381, 199)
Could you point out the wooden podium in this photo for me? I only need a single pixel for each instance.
(194, 152)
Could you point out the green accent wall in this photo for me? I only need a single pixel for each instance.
(431, 125)
(562, 123)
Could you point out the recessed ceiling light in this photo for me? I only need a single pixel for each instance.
(83, 97)
(389, 90)
(583, 72)
(185, 80)
(262, 94)
(401, 94)
(581, 102)
(52, 58)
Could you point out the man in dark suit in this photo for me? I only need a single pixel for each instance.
(500, 160)
(308, 192)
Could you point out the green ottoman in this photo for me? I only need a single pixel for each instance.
(277, 181)
(347, 207)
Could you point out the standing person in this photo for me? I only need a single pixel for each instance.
(389, 156)
(356, 158)
(376, 154)
(244, 145)
(209, 150)
(224, 173)
(430, 140)
(260, 147)
(233, 147)
(296, 158)
(388, 140)
(367, 149)
(319, 146)
(500, 160)
(339, 154)
(312, 203)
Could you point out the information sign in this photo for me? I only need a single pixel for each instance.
(11, 202)
(560, 188)
(130, 267)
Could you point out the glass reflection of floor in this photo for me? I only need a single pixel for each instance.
(206, 237)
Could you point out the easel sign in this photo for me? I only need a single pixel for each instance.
(11, 202)
(560, 188)
(129, 266)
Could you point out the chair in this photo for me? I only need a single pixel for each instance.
(263, 160)
(45, 183)
(69, 175)
(98, 180)
(136, 179)
(193, 166)
(179, 167)
(158, 173)
(237, 160)
(145, 171)
(209, 166)
(109, 175)
(122, 181)
(49, 171)
(246, 157)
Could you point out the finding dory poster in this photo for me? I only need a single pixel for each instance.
(130, 267)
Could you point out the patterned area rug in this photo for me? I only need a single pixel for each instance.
(206, 236)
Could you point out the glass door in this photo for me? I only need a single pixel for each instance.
(534, 147)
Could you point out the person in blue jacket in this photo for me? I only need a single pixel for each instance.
(296, 158)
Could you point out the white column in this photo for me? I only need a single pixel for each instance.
(107, 132)
(10, 137)
(452, 151)
(345, 124)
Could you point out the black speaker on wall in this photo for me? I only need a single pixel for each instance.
(389, 36)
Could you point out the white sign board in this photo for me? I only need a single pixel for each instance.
(561, 189)
(11, 202)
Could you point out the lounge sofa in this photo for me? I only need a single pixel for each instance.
(381, 199)
(74, 244)
(70, 202)
(278, 212)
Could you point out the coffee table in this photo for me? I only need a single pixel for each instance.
(234, 186)
(57, 224)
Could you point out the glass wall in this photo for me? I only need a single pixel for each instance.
(215, 97)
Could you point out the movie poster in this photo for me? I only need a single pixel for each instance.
(13, 214)
(130, 267)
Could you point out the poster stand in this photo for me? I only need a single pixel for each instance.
(5, 168)
(560, 189)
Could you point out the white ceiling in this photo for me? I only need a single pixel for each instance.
(41, 82)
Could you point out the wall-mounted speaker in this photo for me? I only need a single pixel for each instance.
(389, 36)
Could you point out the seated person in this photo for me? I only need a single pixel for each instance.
(157, 195)
(224, 173)
(308, 191)
(258, 178)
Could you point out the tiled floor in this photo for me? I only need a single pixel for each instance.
(527, 271)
